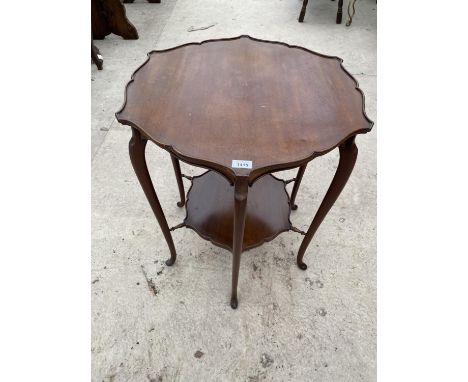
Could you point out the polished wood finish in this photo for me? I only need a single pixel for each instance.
(348, 156)
(136, 148)
(210, 206)
(276, 105)
(339, 13)
(108, 16)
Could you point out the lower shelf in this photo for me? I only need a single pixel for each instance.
(210, 210)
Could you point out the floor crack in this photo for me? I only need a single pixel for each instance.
(364, 74)
(150, 282)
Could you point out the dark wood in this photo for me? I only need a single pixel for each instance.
(96, 56)
(210, 206)
(351, 4)
(149, 1)
(277, 105)
(303, 11)
(180, 183)
(136, 148)
(241, 189)
(108, 16)
(297, 183)
(339, 12)
(348, 156)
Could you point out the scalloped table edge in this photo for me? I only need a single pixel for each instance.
(227, 171)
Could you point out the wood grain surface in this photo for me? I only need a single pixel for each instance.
(210, 209)
(275, 105)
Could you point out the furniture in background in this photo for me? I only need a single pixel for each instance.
(339, 13)
(149, 1)
(108, 16)
(96, 55)
(242, 108)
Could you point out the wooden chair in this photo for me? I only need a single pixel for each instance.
(339, 14)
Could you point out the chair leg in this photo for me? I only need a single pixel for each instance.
(180, 183)
(297, 183)
(136, 148)
(303, 11)
(339, 14)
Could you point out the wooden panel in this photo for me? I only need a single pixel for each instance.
(275, 105)
(210, 210)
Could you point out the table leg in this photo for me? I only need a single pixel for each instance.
(109, 16)
(180, 183)
(96, 56)
(241, 188)
(339, 14)
(348, 156)
(297, 183)
(303, 11)
(136, 148)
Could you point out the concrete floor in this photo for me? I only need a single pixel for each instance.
(156, 323)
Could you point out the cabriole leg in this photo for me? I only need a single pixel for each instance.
(240, 203)
(136, 148)
(348, 156)
(180, 183)
(297, 183)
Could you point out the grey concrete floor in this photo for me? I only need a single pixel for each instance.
(291, 325)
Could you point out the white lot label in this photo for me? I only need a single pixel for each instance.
(238, 163)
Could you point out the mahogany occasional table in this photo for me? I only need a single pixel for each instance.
(242, 108)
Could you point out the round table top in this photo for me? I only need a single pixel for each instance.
(244, 107)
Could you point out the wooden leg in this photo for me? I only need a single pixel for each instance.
(348, 156)
(303, 11)
(339, 14)
(96, 56)
(109, 16)
(297, 183)
(180, 183)
(136, 148)
(241, 188)
(351, 14)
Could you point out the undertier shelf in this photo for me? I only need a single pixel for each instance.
(210, 210)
